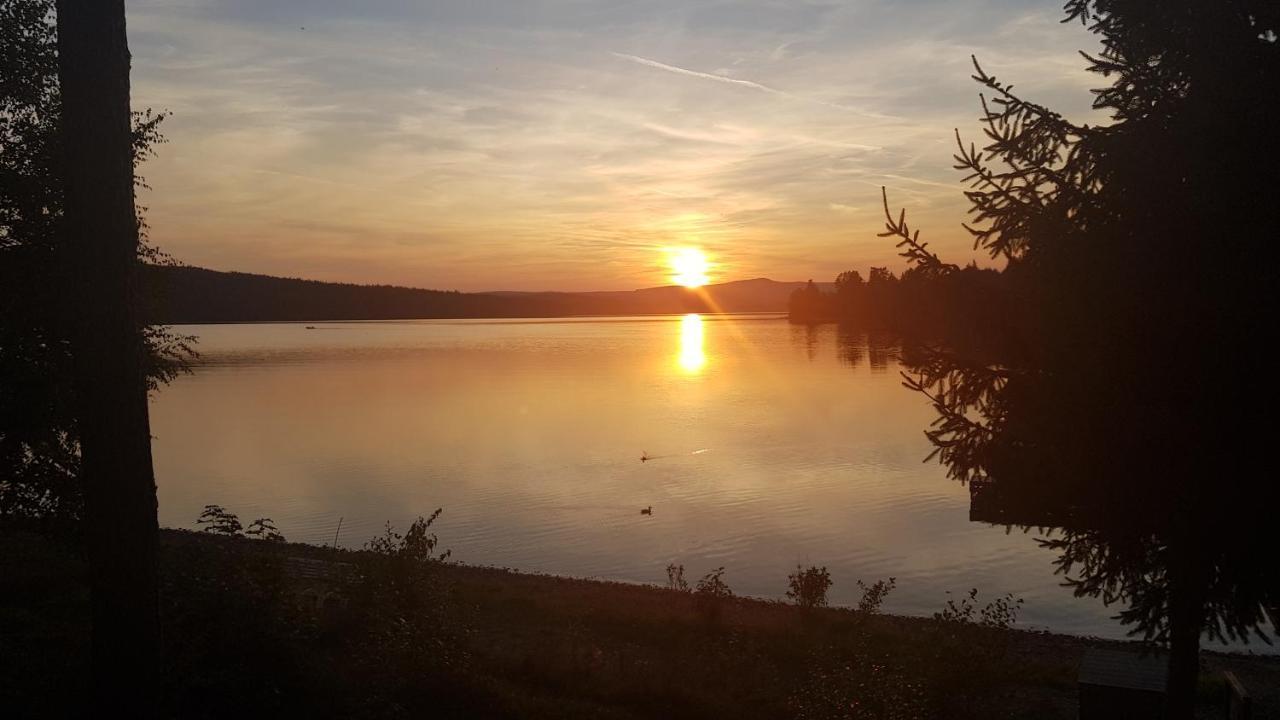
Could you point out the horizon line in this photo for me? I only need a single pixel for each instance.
(186, 266)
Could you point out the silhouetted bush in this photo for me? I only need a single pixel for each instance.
(808, 587)
(675, 578)
(873, 595)
(220, 521)
(400, 603)
(970, 646)
(217, 519)
(710, 595)
(1000, 613)
(235, 635)
(417, 546)
(264, 529)
(245, 636)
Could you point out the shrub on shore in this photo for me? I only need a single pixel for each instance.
(711, 594)
(873, 595)
(808, 586)
(242, 632)
(220, 521)
(675, 578)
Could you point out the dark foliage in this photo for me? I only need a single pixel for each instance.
(1000, 613)
(399, 613)
(675, 578)
(240, 645)
(220, 521)
(39, 449)
(808, 587)
(923, 302)
(873, 595)
(965, 654)
(246, 635)
(264, 529)
(236, 636)
(711, 594)
(1111, 394)
(217, 519)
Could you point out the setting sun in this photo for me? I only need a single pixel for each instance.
(690, 266)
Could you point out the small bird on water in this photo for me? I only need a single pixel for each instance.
(646, 511)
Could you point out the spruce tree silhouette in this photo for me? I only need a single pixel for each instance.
(1118, 395)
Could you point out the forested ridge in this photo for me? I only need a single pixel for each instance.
(183, 294)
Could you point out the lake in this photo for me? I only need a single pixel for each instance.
(769, 445)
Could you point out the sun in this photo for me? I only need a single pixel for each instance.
(690, 267)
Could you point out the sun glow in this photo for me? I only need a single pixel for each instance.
(692, 356)
(690, 266)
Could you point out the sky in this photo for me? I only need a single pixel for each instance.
(564, 144)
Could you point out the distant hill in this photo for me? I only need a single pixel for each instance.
(197, 295)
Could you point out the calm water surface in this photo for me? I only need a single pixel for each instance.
(771, 445)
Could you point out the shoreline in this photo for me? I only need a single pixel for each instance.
(324, 552)
(541, 645)
(469, 572)
(745, 315)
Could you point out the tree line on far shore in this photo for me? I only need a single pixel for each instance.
(183, 294)
(916, 302)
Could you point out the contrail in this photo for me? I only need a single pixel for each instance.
(703, 75)
(744, 83)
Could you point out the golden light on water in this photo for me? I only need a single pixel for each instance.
(690, 267)
(692, 356)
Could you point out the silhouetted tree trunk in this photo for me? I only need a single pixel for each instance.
(1184, 654)
(101, 258)
(1186, 624)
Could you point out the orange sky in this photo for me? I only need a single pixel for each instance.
(561, 144)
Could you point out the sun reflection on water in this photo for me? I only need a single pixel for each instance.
(692, 356)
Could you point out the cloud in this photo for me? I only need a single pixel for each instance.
(538, 143)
